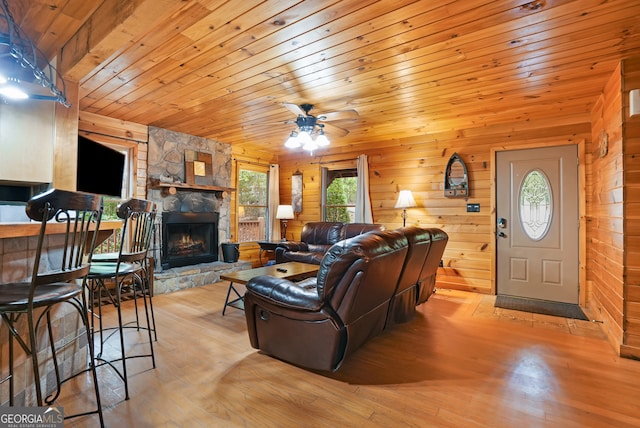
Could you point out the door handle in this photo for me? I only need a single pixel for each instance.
(502, 223)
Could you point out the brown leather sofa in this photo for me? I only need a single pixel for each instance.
(418, 278)
(427, 280)
(403, 303)
(316, 239)
(364, 284)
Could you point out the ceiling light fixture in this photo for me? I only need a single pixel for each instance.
(309, 135)
(10, 88)
(25, 71)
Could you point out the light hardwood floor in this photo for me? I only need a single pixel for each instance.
(460, 363)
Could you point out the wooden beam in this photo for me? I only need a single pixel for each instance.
(95, 123)
(115, 25)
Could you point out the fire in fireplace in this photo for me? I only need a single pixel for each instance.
(189, 238)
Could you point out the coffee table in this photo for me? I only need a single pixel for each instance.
(293, 271)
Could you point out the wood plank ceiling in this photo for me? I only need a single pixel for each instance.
(221, 68)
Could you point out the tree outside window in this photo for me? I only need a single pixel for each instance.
(340, 194)
(253, 204)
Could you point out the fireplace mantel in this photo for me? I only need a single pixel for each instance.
(172, 188)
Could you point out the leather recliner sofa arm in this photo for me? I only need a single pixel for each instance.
(293, 245)
(285, 293)
(288, 247)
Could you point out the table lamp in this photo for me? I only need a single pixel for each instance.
(284, 213)
(405, 200)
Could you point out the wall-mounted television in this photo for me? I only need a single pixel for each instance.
(100, 168)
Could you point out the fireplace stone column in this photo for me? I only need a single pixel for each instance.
(166, 163)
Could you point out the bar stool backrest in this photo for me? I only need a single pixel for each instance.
(138, 216)
(69, 252)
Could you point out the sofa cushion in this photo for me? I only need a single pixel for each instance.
(349, 230)
(321, 233)
(318, 248)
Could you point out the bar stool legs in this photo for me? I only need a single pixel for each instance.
(30, 349)
(103, 334)
(110, 274)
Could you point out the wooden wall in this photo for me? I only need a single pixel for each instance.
(418, 164)
(631, 156)
(614, 210)
(65, 149)
(605, 207)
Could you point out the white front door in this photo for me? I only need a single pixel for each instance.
(537, 223)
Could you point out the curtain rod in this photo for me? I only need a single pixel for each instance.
(334, 161)
(251, 163)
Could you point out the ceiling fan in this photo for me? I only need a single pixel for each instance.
(307, 119)
(307, 124)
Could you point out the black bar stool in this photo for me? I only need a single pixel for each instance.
(59, 276)
(125, 271)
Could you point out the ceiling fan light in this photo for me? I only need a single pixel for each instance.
(305, 138)
(310, 145)
(292, 142)
(322, 139)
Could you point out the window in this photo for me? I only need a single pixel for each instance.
(339, 194)
(129, 150)
(535, 205)
(253, 202)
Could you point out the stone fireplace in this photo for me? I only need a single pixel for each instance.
(189, 238)
(192, 259)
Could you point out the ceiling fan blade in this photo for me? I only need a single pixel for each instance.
(294, 108)
(262, 124)
(339, 115)
(335, 131)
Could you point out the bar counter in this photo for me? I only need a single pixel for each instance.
(24, 229)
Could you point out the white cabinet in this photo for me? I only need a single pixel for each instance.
(27, 131)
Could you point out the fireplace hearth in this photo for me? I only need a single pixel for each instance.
(189, 238)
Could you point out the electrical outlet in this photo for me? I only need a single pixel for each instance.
(473, 208)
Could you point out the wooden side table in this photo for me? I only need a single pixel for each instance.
(266, 247)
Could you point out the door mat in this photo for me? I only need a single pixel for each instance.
(556, 309)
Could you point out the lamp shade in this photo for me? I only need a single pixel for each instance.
(292, 142)
(285, 212)
(322, 139)
(405, 200)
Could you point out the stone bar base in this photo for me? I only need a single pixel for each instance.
(181, 278)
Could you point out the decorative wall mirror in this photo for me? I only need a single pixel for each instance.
(296, 191)
(456, 178)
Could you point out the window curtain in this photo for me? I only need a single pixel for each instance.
(274, 200)
(363, 213)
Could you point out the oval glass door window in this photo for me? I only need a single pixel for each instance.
(535, 205)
